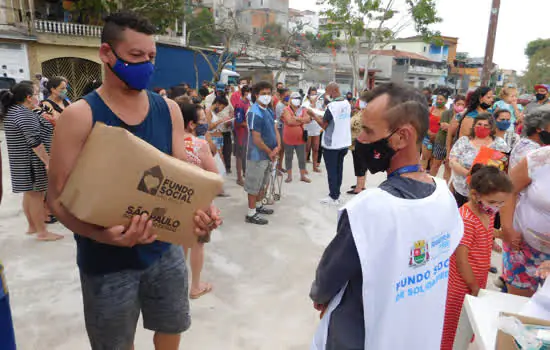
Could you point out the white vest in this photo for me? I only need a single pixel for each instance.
(404, 248)
(339, 132)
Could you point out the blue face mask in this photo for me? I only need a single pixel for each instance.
(503, 125)
(286, 99)
(136, 75)
(63, 94)
(201, 129)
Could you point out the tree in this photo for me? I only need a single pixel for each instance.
(536, 45)
(365, 24)
(162, 13)
(202, 29)
(538, 70)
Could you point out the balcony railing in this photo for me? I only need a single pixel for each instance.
(427, 70)
(64, 28)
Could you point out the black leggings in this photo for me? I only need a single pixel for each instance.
(460, 199)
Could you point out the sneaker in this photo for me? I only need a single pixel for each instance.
(264, 210)
(330, 201)
(256, 220)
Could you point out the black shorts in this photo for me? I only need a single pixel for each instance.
(440, 151)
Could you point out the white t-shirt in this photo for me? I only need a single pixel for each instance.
(404, 247)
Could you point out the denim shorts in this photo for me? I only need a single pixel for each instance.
(113, 302)
(428, 143)
(218, 141)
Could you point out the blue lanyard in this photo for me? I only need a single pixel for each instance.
(406, 169)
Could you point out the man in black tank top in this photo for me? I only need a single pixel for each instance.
(124, 270)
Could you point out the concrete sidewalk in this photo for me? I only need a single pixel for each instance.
(261, 275)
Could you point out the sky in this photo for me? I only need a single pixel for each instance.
(520, 21)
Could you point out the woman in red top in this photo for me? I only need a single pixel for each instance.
(470, 263)
(435, 117)
(294, 118)
(198, 153)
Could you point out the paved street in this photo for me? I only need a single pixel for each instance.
(261, 275)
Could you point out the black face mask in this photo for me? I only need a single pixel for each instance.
(544, 137)
(540, 97)
(484, 106)
(376, 155)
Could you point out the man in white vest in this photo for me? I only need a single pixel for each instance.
(336, 140)
(382, 281)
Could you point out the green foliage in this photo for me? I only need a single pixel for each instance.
(462, 56)
(162, 13)
(202, 29)
(424, 14)
(92, 11)
(536, 45)
(538, 70)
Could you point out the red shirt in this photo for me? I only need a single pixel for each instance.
(241, 131)
(293, 135)
(275, 101)
(235, 98)
(434, 122)
(479, 241)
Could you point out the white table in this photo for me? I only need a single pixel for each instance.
(479, 316)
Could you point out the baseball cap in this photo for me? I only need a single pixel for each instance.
(542, 86)
(220, 87)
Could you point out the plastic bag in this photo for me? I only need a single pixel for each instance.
(220, 164)
(525, 338)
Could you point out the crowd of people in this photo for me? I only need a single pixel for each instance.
(494, 180)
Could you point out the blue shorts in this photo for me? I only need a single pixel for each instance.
(218, 141)
(428, 143)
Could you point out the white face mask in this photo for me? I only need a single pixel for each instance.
(362, 104)
(296, 102)
(264, 99)
(242, 85)
(249, 96)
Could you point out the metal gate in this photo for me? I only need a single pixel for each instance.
(78, 71)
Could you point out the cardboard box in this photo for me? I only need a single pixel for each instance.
(118, 175)
(505, 341)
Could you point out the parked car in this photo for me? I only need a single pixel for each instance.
(525, 99)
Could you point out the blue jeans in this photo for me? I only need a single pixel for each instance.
(334, 162)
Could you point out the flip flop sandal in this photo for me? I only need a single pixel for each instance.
(51, 220)
(207, 289)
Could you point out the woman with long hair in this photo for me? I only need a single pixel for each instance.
(466, 149)
(198, 153)
(313, 129)
(28, 138)
(480, 101)
(57, 99)
(436, 113)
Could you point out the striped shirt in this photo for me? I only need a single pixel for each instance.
(26, 130)
(479, 241)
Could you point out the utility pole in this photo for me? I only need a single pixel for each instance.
(490, 46)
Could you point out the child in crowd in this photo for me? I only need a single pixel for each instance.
(199, 153)
(469, 265)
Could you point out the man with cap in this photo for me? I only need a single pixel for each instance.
(220, 91)
(226, 127)
(542, 97)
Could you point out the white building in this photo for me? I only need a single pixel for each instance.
(309, 20)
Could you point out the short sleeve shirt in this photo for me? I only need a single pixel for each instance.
(522, 148)
(262, 121)
(465, 153)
